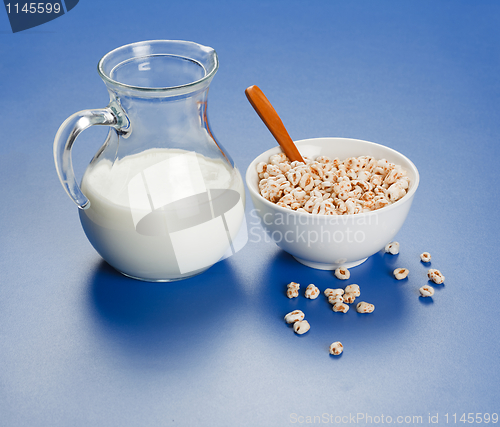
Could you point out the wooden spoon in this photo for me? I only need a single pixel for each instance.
(273, 122)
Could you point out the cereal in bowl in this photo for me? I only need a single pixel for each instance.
(332, 187)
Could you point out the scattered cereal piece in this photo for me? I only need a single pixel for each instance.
(425, 257)
(340, 306)
(436, 276)
(333, 299)
(294, 316)
(401, 273)
(342, 273)
(349, 297)
(292, 290)
(336, 348)
(330, 292)
(426, 291)
(353, 289)
(312, 292)
(301, 327)
(364, 307)
(392, 248)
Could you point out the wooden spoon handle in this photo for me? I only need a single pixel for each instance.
(273, 122)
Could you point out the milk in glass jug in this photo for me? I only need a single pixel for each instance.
(161, 200)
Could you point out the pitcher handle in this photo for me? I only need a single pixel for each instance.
(112, 115)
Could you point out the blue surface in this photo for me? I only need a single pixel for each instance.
(81, 345)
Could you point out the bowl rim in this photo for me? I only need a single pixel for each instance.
(406, 198)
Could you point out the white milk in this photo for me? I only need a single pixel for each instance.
(162, 214)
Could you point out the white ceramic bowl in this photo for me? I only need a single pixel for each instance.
(328, 242)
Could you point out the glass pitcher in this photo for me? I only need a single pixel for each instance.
(161, 200)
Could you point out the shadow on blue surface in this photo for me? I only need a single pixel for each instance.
(162, 323)
(426, 300)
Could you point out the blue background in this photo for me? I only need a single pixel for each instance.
(81, 345)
